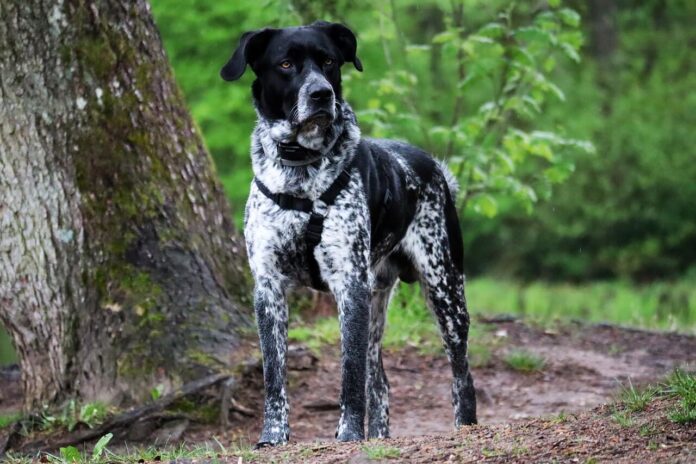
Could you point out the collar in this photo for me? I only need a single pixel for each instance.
(293, 154)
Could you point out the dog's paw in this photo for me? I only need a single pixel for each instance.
(350, 435)
(274, 438)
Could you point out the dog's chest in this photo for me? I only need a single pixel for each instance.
(276, 242)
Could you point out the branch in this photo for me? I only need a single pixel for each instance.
(117, 422)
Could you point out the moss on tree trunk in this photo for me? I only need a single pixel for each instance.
(119, 266)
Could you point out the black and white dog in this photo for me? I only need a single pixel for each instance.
(334, 211)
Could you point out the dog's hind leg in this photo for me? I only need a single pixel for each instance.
(377, 383)
(272, 319)
(428, 244)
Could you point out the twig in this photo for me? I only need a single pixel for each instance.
(117, 422)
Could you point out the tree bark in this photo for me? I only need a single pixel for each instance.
(119, 266)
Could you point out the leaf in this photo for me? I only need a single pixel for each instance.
(101, 445)
(70, 454)
(570, 51)
(554, 3)
(569, 17)
(444, 37)
(493, 30)
(535, 34)
(156, 392)
(486, 205)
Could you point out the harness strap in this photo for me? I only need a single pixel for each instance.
(317, 213)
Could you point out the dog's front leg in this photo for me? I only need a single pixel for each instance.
(353, 300)
(272, 320)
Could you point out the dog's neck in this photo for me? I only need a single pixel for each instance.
(336, 143)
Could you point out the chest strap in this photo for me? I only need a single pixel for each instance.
(317, 213)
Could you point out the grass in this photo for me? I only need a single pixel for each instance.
(9, 419)
(659, 305)
(375, 451)
(623, 418)
(524, 361)
(682, 385)
(635, 399)
(99, 454)
(409, 324)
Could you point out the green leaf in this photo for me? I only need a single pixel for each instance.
(485, 205)
(444, 37)
(569, 17)
(554, 3)
(493, 30)
(535, 35)
(101, 445)
(70, 454)
(156, 392)
(570, 51)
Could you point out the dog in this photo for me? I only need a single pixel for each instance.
(334, 211)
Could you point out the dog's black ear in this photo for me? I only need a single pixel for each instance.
(251, 46)
(344, 39)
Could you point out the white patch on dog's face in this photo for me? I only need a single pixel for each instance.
(305, 107)
(311, 131)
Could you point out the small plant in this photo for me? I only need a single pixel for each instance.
(381, 451)
(524, 361)
(683, 386)
(156, 392)
(623, 418)
(71, 454)
(637, 400)
(90, 414)
(647, 430)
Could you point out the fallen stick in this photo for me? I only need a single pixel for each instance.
(117, 422)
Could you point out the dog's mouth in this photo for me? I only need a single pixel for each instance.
(321, 119)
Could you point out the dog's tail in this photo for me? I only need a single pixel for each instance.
(454, 231)
(452, 182)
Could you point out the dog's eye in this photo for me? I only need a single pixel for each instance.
(285, 64)
(328, 61)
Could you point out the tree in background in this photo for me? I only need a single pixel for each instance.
(119, 266)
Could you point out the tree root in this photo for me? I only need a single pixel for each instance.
(12, 442)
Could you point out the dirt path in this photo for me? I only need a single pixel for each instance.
(519, 413)
(585, 366)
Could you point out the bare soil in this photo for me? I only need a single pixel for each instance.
(585, 367)
(518, 412)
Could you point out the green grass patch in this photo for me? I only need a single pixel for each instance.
(380, 451)
(682, 385)
(623, 418)
(524, 361)
(409, 324)
(9, 419)
(637, 399)
(659, 305)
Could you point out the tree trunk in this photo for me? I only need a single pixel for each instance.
(119, 266)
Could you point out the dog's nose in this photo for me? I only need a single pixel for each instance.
(321, 94)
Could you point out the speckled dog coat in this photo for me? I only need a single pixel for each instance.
(395, 219)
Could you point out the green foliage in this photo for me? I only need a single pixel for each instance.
(627, 210)
(524, 361)
(658, 305)
(463, 87)
(90, 414)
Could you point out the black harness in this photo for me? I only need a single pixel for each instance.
(318, 209)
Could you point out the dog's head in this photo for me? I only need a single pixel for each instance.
(298, 71)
